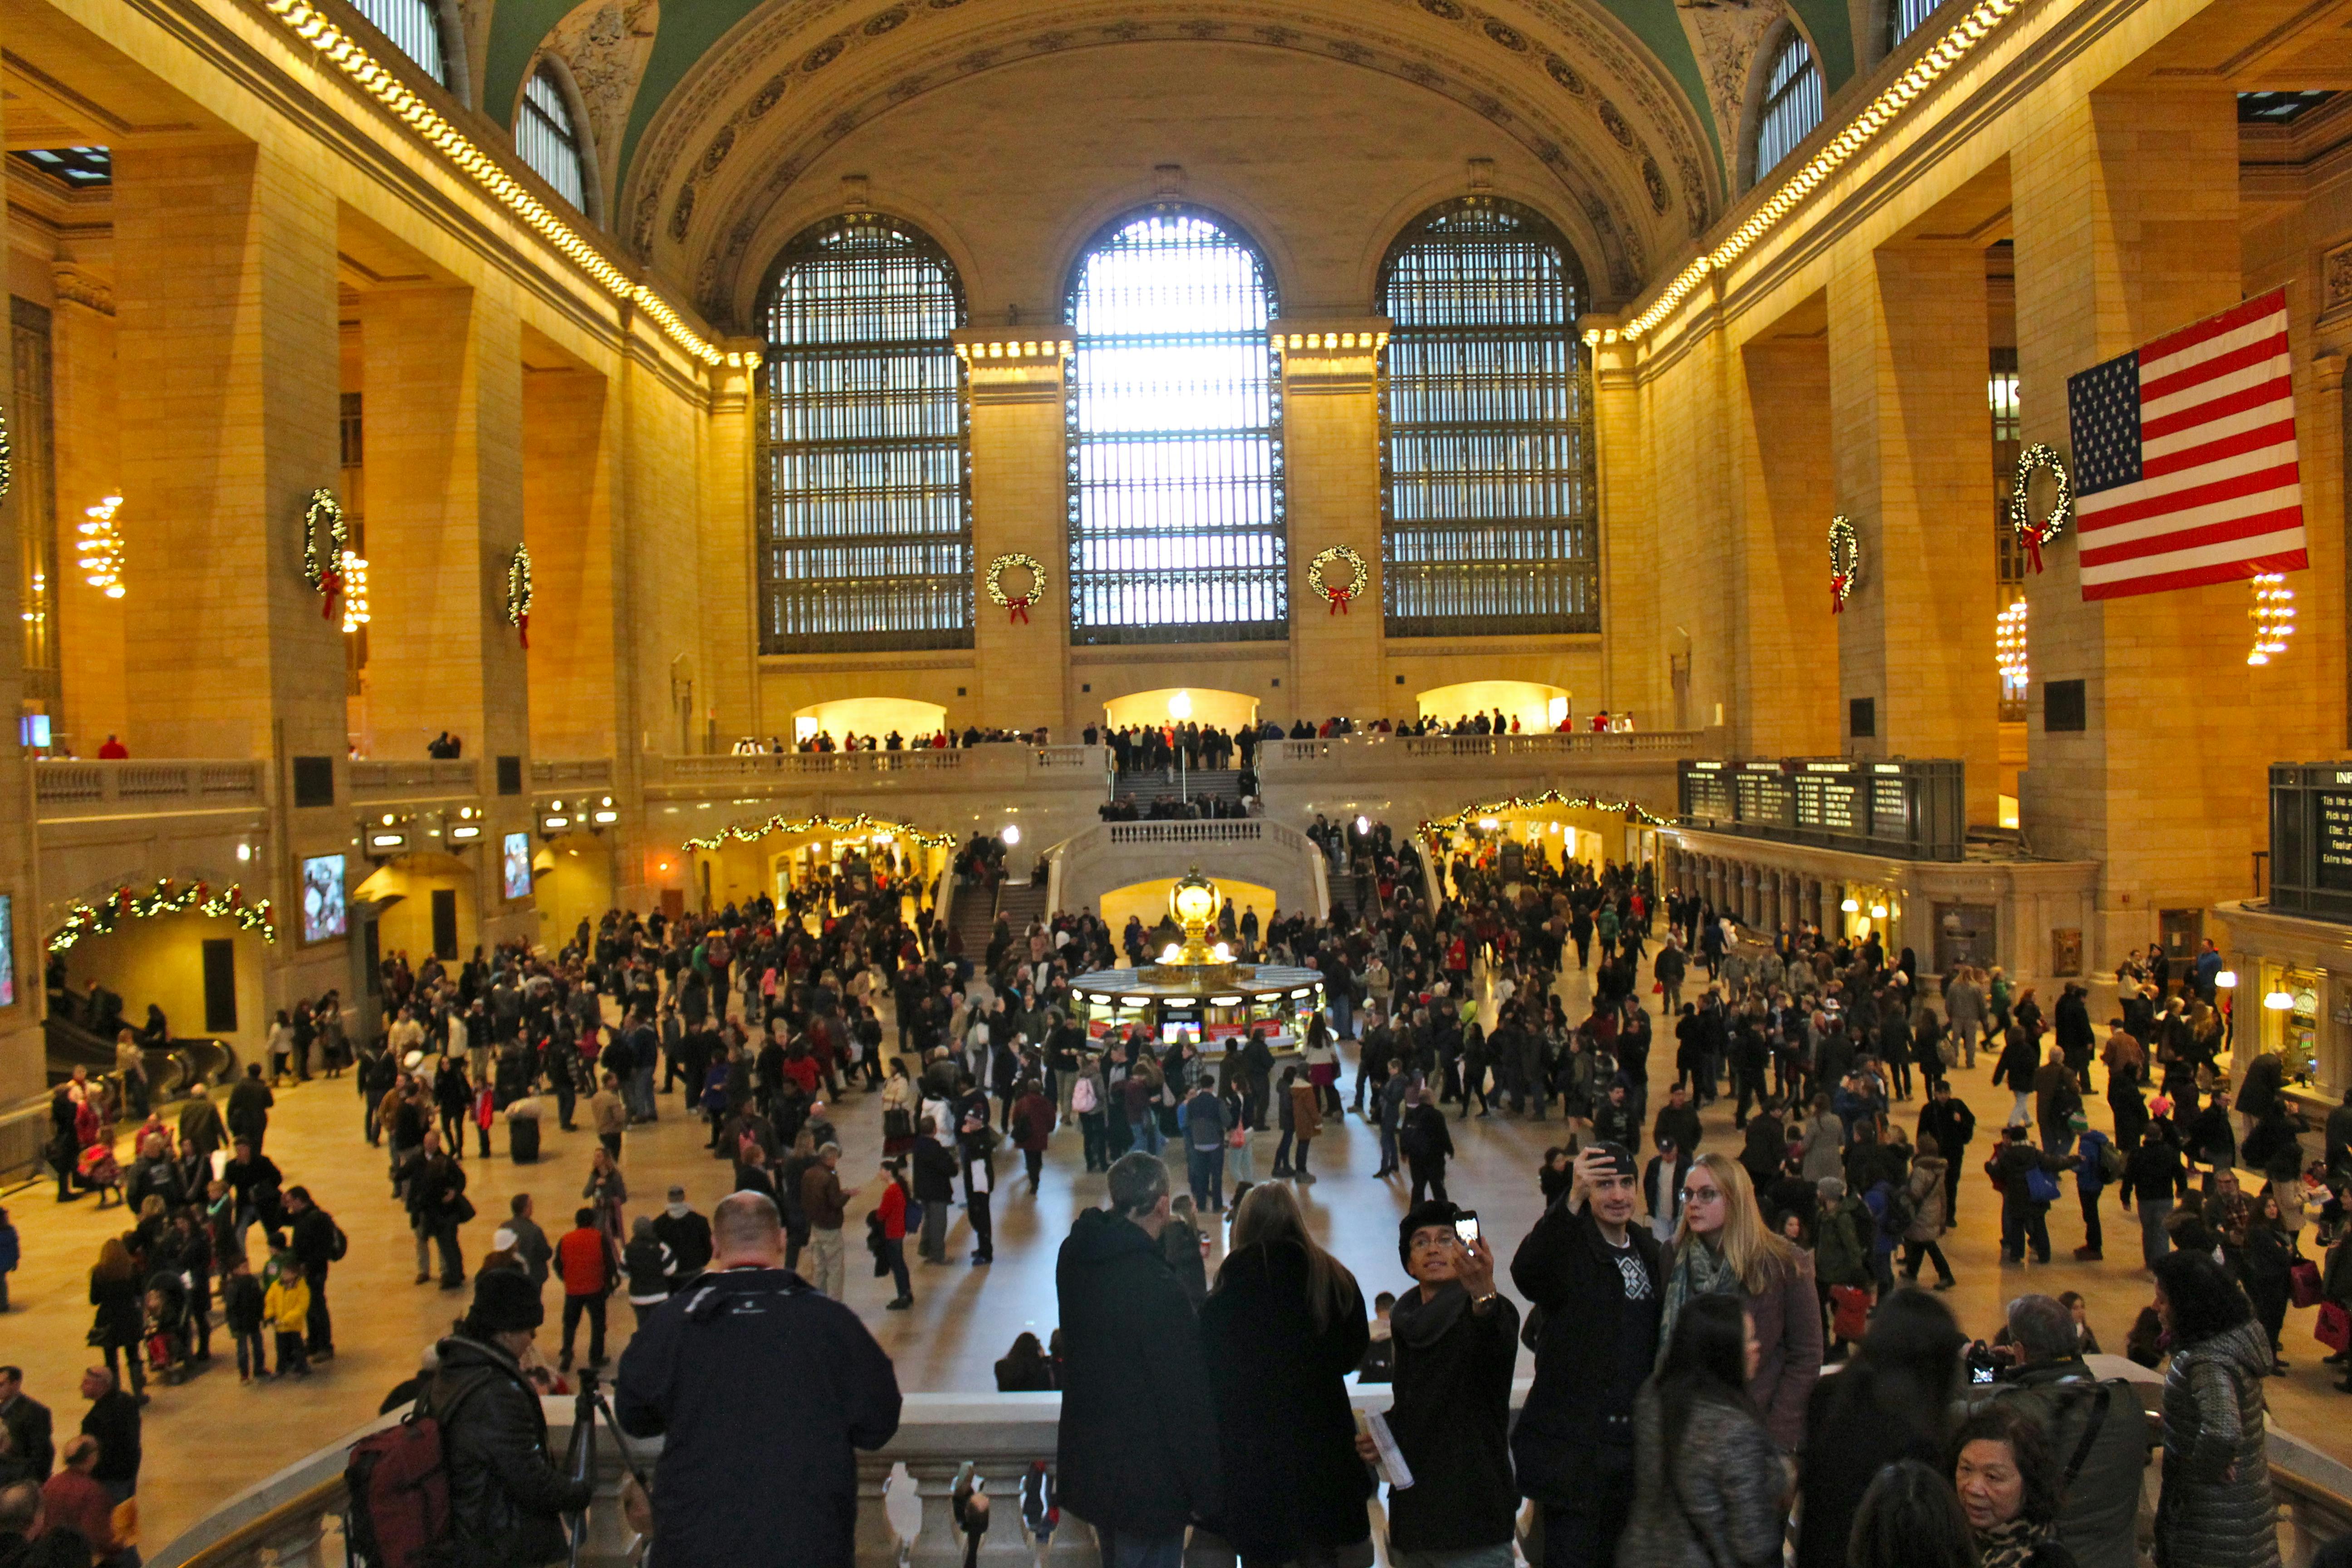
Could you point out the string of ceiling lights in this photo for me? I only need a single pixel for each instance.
(370, 75)
(1955, 46)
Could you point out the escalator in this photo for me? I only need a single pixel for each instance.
(173, 1072)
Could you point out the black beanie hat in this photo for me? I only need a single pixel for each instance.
(1421, 1216)
(505, 1300)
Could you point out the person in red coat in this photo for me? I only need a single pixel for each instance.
(1033, 1125)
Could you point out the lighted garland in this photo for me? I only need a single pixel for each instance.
(326, 540)
(168, 898)
(1633, 811)
(750, 833)
(2033, 534)
(1017, 604)
(1845, 561)
(1338, 598)
(518, 592)
(8, 457)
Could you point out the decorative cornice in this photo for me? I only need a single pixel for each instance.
(1330, 359)
(71, 283)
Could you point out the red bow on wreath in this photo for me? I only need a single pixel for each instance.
(331, 582)
(1837, 593)
(2032, 538)
(1018, 609)
(522, 625)
(1338, 597)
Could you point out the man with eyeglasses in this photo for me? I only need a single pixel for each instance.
(1594, 1276)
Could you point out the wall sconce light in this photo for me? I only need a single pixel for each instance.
(2278, 1000)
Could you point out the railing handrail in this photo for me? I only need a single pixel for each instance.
(210, 782)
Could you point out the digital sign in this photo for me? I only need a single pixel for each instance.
(517, 861)
(324, 913)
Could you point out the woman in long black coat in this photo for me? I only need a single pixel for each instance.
(1282, 1331)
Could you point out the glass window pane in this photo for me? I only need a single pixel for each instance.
(865, 505)
(1489, 521)
(547, 140)
(1792, 103)
(414, 25)
(1176, 496)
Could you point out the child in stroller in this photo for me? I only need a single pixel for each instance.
(167, 1326)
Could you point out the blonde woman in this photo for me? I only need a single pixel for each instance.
(1723, 1247)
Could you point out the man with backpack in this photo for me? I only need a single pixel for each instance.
(317, 1243)
(2094, 1428)
(477, 1442)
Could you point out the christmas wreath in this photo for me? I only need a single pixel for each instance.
(518, 592)
(325, 536)
(1018, 604)
(1331, 592)
(1845, 562)
(2034, 535)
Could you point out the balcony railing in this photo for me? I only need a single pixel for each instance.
(103, 788)
(1613, 744)
(574, 770)
(415, 776)
(1006, 761)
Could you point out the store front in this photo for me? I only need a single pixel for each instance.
(2292, 995)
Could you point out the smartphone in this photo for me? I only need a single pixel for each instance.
(1465, 1227)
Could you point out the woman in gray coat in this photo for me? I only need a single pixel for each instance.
(2216, 1510)
(1711, 1491)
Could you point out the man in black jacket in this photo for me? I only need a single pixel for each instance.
(1949, 1122)
(935, 1175)
(765, 1388)
(1455, 1341)
(317, 1241)
(1138, 1444)
(28, 1423)
(1595, 1277)
(507, 1495)
(686, 1235)
(1426, 1144)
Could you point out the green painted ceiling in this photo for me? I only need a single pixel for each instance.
(690, 27)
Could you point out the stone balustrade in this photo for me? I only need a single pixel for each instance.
(63, 788)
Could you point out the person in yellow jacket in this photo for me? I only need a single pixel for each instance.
(287, 1307)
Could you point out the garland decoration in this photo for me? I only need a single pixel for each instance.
(1018, 604)
(2034, 535)
(1845, 562)
(752, 832)
(1337, 596)
(326, 540)
(168, 898)
(1633, 811)
(518, 592)
(8, 457)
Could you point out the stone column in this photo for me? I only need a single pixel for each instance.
(1633, 671)
(1020, 504)
(728, 540)
(443, 385)
(1331, 455)
(569, 519)
(87, 443)
(224, 289)
(23, 1053)
(2127, 226)
(1787, 699)
(1908, 362)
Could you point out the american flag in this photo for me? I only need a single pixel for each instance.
(2185, 466)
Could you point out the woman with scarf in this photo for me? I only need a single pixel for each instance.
(2008, 1482)
(1723, 1247)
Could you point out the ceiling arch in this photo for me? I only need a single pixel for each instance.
(1626, 149)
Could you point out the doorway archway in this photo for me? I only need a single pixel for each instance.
(1536, 707)
(1204, 706)
(863, 716)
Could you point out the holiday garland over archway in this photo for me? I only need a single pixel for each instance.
(168, 898)
(518, 592)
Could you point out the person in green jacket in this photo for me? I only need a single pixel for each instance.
(1842, 1234)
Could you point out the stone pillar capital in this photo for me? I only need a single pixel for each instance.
(1015, 364)
(1323, 358)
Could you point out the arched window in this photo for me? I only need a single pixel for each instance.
(864, 514)
(1175, 436)
(1487, 514)
(1791, 105)
(1904, 17)
(414, 25)
(548, 139)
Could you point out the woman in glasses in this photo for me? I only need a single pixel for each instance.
(1723, 1247)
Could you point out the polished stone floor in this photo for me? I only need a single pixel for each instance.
(211, 1437)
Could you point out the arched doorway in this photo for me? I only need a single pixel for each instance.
(1549, 829)
(1536, 707)
(868, 716)
(1204, 706)
(431, 906)
(1149, 901)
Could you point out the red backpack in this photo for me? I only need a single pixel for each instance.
(398, 1479)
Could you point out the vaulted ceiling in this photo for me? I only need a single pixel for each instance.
(707, 113)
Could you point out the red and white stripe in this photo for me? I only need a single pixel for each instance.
(2219, 495)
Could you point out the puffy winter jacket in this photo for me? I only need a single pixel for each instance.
(2216, 1510)
(507, 1498)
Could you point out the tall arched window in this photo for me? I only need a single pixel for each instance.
(1175, 436)
(548, 139)
(1791, 105)
(864, 514)
(414, 25)
(1488, 521)
(1904, 17)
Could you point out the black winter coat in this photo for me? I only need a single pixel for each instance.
(1286, 1433)
(1584, 1387)
(507, 1495)
(1138, 1446)
(765, 1387)
(1452, 1421)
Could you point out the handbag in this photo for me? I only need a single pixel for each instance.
(1849, 1312)
(2041, 1186)
(1236, 1138)
(2302, 1282)
(2334, 1329)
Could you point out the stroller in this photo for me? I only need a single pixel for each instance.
(99, 1172)
(166, 1340)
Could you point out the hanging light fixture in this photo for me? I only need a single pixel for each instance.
(1851, 907)
(2227, 980)
(101, 548)
(2009, 646)
(2278, 1000)
(355, 603)
(2273, 613)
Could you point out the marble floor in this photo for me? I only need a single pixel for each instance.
(210, 1437)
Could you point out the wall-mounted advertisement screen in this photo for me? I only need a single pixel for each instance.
(8, 951)
(518, 864)
(324, 909)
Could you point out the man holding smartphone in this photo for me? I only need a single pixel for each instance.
(1594, 1276)
(1455, 1341)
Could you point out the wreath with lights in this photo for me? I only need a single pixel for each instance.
(167, 898)
(1845, 561)
(518, 592)
(1017, 604)
(325, 536)
(1331, 593)
(2034, 535)
(8, 457)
